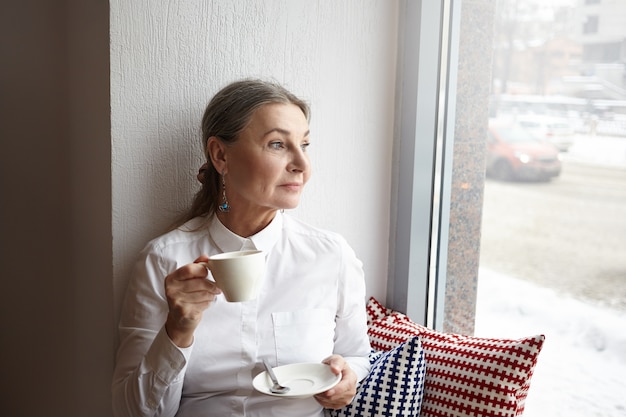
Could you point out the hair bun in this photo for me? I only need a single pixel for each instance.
(201, 172)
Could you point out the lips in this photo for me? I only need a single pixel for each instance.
(292, 186)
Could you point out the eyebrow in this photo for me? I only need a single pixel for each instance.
(284, 132)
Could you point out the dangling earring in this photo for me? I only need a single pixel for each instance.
(224, 207)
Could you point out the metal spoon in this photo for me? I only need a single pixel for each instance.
(276, 388)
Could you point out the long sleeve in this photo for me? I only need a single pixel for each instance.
(150, 369)
(351, 340)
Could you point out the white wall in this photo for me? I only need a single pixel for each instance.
(168, 58)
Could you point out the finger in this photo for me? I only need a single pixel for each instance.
(342, 393)
(337, 390)
(194, 284)
(336, 362)
(192, 292)
(201, 258)
(196, 297)
(181, 289)
(186, 272)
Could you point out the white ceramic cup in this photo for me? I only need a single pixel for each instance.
(237, 274)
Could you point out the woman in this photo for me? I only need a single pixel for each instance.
(184, 350)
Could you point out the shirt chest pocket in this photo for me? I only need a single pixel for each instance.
(303, 335)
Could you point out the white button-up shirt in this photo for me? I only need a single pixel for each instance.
(311, 304)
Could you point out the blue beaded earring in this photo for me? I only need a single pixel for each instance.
(224, 207)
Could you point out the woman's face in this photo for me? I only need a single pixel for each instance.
(267, 167)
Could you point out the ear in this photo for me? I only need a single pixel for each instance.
(216, 150)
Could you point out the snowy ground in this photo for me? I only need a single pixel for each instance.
(582, 368)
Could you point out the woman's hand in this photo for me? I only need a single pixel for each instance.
(188, 294)
(341, 394)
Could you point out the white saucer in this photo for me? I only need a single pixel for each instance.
(303, 379)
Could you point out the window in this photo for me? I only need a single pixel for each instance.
(548, 254)
(551, 247)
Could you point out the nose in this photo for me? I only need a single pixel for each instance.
(299, 161)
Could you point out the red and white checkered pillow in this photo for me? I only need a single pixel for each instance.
(464, 375)
(374, 311)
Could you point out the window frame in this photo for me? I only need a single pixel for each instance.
(427, 74)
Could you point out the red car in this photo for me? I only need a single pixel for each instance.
(513, 153)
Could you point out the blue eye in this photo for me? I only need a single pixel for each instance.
(304, 146)
(276, 145)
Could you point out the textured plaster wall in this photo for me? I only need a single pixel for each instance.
(169, 57)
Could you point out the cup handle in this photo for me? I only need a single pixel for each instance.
(207, 265)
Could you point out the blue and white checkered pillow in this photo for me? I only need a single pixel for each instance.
(394, 386)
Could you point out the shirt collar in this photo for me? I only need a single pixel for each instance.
(228, 241)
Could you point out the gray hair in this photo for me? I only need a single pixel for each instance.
(231, 109)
